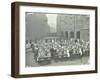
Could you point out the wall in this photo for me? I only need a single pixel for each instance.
(84, 34)
(5, 40)
(36, 26)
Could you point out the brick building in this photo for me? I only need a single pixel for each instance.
(73, 26)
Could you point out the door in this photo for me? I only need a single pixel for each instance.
(78, 35)
(71, 34)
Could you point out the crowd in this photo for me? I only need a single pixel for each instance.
(56, 49)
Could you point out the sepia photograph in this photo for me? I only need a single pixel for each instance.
(57, 39)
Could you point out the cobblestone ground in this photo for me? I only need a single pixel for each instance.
(30, 62)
